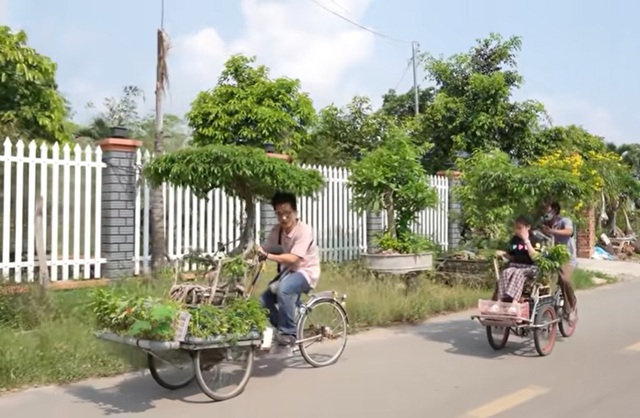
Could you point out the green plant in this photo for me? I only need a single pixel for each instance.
(390, 178)
(406, 243)
(239, 317)
(550, 260)
(32, 107)
(140, 317)
(153, 318)
(247, 107)
(493, 188)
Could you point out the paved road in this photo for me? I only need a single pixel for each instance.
(441, 369)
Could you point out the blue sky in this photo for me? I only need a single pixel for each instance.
(579, 58)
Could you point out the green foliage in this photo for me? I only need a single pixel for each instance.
(405, 243)
(239, 317)
(550, 260)
(494, 189)
(390, 178)
(31, 107)
(240, 171)
(247, 107)
(140, 317)
(154, 318)
(472, 109)
(344, 134)
(402, 106)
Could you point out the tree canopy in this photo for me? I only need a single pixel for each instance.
(247, 107)
(241, 171)
(472, 108)
(31, 107)
(231, 123)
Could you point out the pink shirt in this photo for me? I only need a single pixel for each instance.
(299, 242)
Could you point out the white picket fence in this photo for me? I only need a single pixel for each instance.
(199, 224)
(69, 179)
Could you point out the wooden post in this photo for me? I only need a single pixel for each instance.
(39, 236)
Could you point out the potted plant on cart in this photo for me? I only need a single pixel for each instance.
(390, 179)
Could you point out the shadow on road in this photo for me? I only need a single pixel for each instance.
(468, 338)
(140, 392)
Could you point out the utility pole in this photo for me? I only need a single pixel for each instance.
(414, 47)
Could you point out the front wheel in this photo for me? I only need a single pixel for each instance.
(566, 326)
(324, 325)
(172, 370)
(217, 369)
(498, 340)
(544, 334)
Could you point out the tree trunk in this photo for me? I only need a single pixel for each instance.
(612, 213)
(628, 228)
(391, 215)
(248, 228)
(158, 238)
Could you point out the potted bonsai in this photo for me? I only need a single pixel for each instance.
(391, 179)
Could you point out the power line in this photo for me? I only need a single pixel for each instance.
(346, 19)
(404, 74)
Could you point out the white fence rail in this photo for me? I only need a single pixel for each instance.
(341, 234)
(69, 179)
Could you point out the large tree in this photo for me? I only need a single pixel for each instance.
(31, 107)
(231, 123)
(472, 109)
(250, 108)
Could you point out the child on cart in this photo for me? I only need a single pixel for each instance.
(521, 267)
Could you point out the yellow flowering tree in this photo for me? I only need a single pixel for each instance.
(603, 173)
(494, 189)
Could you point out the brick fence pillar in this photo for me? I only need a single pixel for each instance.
(586, 236)
(118, 206)
(374, 227)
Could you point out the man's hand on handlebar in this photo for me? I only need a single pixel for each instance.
(262, 255)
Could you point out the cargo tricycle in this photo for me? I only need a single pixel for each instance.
(539, 313)
(216, 361)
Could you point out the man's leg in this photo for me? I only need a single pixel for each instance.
(268, 300)
(289, 290)
(567, 287)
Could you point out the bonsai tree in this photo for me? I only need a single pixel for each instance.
(246, 172)
(391, 179)
(232, 123)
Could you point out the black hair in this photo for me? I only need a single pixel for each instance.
(555, 206)
(523, 220)
(281, 197)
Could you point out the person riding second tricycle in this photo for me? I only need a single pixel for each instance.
(561, 228)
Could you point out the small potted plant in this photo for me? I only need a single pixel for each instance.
(391, 179)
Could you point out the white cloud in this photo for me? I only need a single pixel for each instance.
(596, 119)
(294, 38)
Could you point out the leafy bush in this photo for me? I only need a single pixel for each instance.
(155, 318)
(391, 178)
(550, 260)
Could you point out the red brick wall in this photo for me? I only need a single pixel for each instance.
(586, 237)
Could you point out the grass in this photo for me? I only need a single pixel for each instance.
(47, 338)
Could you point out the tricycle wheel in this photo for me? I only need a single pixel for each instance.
(498, 337)
(544, 337)
(216, 368)
(567, 327)
(172, 370)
